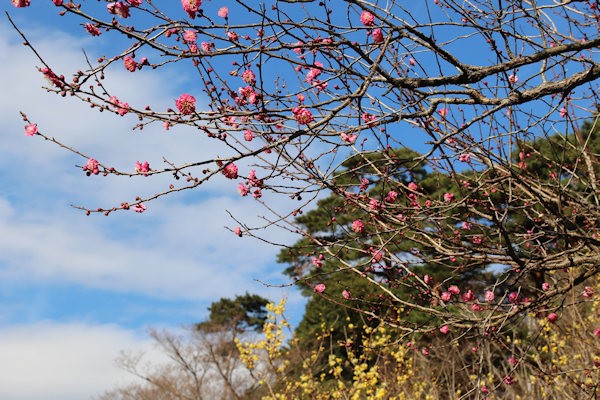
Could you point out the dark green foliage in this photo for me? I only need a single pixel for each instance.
(245, 312)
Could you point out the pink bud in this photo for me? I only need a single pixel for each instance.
(552, 317)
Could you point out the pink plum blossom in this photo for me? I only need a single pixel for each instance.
(122, 108)
(242, 189)
(377, 35)
(427, 279)
(31, 130)
(314, 72)
(345, 294)
(21, 3)
(514, 297)
(508, 380)
(368, 119)
(186, 104)
(588, 292)
(454, 290)
(348, 137)
(374, 204)
(445, 329)
(223, 12)
(367, 18)
(391, 196)
(512, 361)
(412, 186)
(233, 36)
(448, 197)
(91, 167)
(466, 226)
(191, 7)
(139, 208)
(377, 256)
(142, 167)
(119, 8)
(513, 79)
(476, 307)
(130, 64)
(545, 286)
(446, 296)
(190, 35)
(230, 171)
(488, 296)
(317, 261)
(237, 231)
(302, 115)
(358, 226)
(92, 29)
(468, 296)
(443, 112)
(552, 317)
(248, 135)
(563, 112)
(466, 157)
(249, 77)
(320, 288)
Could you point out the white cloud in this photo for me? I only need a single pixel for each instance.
(184, 253)
(70, 361)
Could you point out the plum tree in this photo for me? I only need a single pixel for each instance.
(445, 135)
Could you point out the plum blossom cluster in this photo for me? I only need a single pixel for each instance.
(251, 185)
(120, 107)
(302, 115)
(119, 8)
(142, 167)
(21, 3)
(92, 167)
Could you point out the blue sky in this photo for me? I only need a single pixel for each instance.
(76, 290)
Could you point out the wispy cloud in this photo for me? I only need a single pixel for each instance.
(70, 361)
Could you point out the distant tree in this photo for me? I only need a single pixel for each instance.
(201, 363)
(243, 313)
